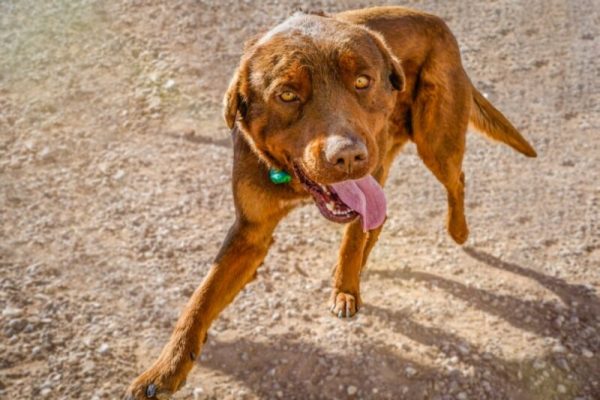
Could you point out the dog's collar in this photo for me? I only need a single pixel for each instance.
(279, 176)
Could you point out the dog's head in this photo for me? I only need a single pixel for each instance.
(313, 96)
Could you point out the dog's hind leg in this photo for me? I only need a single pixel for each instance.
(440, 119)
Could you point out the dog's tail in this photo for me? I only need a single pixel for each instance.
(489, 121)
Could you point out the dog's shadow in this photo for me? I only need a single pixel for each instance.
(288, 367)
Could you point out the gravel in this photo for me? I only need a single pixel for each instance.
(115, 196)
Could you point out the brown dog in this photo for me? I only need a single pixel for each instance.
(332, 100)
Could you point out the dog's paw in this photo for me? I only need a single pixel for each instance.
(457, 226)
(344, 305)
(152, 385)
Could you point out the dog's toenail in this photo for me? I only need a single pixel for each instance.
(193, 356)
(340, 314)
(205, 338)
(151, 390)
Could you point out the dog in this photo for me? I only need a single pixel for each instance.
(319, 107)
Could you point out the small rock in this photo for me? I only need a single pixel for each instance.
(276, 316)
(45, 154)
(104, 167)
(17, 325)
(461, 396)
(170, 84)
(559, 348)
(587, 353)
(11, 312)
(103, 349)
(120, 174)
(539, 365)
(559, 321)
(351, 390)
(563, 364)
(36, 350)
(154, 104)
(410, 371)
(486, 386)
(464, 349)
(561, 389)
(198, 392)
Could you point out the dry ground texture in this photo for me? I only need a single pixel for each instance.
(115, 196)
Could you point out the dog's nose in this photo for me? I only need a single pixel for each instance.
(346, 154)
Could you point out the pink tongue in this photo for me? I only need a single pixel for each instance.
(366, 197)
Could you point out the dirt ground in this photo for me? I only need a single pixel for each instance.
(115, 196)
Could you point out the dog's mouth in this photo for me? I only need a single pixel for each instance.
(343, 201)
(327, 200)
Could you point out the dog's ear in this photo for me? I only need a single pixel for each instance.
(396, 77)
(236, 100)
(396, 73)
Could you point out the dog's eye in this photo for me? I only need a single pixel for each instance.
(288, 96)
(362, 82)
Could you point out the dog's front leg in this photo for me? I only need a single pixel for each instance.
(243, 251)
(355, 249)
(345, 298)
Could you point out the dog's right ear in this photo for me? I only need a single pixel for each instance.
(236, 98)
(234, 101)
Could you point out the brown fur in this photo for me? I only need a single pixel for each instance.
(419, 91)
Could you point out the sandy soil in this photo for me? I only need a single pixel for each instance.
(114, 198)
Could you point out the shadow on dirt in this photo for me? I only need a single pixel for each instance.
(286, 366)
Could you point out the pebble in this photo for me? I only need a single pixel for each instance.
(410, 372)
(351, 390)
(587, 353)
(120, 174)
(17, 325)
(559, 348)
(561, 389)
(197, 392)
(539, 365)
(170, 84)
(103, 349)
(563, 364)
(486, 386)
(464, 349)
(45, 154)
(11, 312)
(104, 167)
(154, 104)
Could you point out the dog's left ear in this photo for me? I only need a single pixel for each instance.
(396, 73)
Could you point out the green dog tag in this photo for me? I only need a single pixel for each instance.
(278, 176)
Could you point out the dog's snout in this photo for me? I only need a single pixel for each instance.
(346, 154)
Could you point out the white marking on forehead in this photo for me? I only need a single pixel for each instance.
(307, 25)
